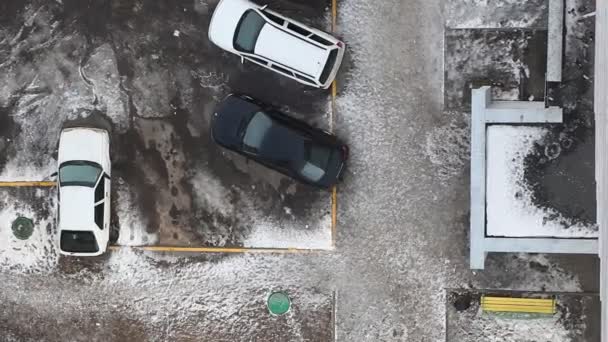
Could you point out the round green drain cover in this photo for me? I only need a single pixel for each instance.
(278, 303)
(23, 228)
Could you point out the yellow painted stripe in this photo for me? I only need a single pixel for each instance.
(334, 215)
(221, 249)
(334, 15)
(27, 183)
(536, 301)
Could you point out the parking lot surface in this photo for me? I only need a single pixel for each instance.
(147, 72)
(146, 69)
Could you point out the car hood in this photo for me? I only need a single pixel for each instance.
(224, 21)
(286, 49)
(87, 144)
(76, 208)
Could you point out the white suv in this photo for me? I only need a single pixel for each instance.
(264, 37)
(84, 191)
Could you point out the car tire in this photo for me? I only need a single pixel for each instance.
(113, 235)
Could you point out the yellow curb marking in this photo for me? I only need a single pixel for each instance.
(334, 15)
(27, 183)
(334, 214)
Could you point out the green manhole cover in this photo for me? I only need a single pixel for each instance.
(278, 303)
(23, 228)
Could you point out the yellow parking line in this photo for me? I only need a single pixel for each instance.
(334, 215)
(222, 249)
(334, 93)
(27, 183)
(334, 15)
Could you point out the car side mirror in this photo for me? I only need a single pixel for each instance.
(263, 7)
(53, 175)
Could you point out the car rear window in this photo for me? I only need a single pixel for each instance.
(316, 160)
(248, 30)
(331, 61)
(75, 241)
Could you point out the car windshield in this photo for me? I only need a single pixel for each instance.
(248, 30)
(74, 241)
(257, 129)
(81, 173)
(316, 160)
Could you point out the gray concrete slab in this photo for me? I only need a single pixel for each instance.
(512, 61)
(484, 112)
(555, 40)
(503, 14)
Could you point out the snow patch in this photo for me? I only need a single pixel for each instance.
(133, 224)
(37, 253)
(494, 328)
(477, 14)
(269, 234)
(448, 146)
(510, 210)
(209, 191)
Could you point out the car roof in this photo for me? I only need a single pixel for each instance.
(289, 50)
(283, 143)
(76, 208)
(225, 20)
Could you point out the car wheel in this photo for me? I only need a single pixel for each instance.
(113, 235)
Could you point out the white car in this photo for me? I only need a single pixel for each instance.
(265, 37)
(84, 191)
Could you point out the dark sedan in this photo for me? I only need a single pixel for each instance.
(278, 141)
